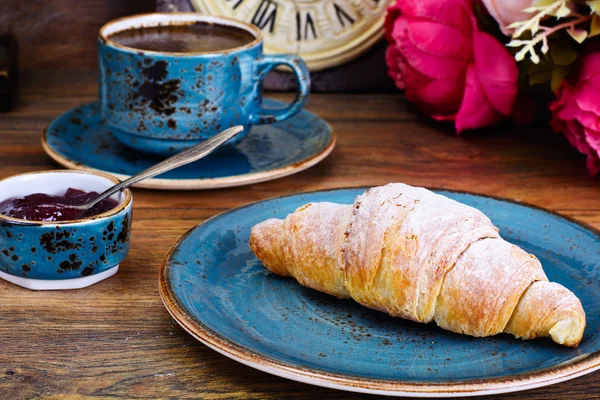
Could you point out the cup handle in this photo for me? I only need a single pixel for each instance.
(265, 64)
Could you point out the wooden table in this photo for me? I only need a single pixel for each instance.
(116, 340)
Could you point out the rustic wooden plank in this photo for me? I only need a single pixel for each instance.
(62, 33)
(116, 340)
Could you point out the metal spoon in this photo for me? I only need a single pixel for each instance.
(187, 156)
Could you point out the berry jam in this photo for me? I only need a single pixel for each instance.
(45, 207)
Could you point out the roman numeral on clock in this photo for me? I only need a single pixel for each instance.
(305, 26)
(265, 15)
(343, 16)
(236, 3)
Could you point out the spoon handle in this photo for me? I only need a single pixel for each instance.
(187, 156)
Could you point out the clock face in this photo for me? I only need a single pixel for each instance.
(325, 33)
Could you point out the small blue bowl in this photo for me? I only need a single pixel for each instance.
(63, 254)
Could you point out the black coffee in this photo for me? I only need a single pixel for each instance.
(193, 38)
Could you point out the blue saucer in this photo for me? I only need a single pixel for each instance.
(216, 288)
(78, 140)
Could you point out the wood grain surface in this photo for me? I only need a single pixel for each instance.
(116, 340)
(62, 33)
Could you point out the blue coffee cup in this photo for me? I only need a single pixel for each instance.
(163, 103)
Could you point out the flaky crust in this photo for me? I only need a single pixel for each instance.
(421, 256)
(287, 247)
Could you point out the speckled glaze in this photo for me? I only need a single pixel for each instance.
(79, 140)
(165, 102)
(214, 286)
(63, 250)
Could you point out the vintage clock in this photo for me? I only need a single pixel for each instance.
(340, 40)
(326, 33)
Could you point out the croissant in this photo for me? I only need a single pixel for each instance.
(420, 256)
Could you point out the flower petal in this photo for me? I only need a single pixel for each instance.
(592, 137)
(575, 124)
(590, 65)
(475, 110)
(587, 98)
(593, 153)
(589, 120)
(440, 40)
(574, 133)
(393, 13)
(505, 12)
(497, 72)
(453, 13)
(395, 66)
(440, 97)
(425, 60)
(567, 108)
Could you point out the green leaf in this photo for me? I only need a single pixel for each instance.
(579, 35)
(562, 12)
(595, 26)
(540, 72)
(562, 52)
(558, 75)
(594, 6)
(540, 77)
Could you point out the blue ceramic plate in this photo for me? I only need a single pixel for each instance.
(78, 140)
(216, 288)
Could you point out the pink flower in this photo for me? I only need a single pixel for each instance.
(505, 12)
(446, 65)
(576, 111)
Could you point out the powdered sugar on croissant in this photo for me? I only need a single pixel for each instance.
(421, 256)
